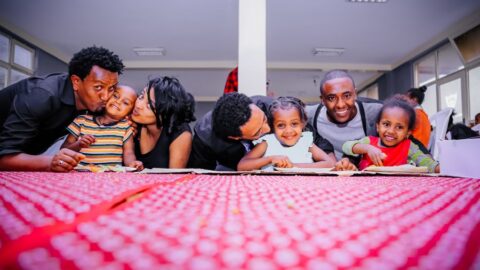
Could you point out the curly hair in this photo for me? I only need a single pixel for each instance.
(335, 74)
(173, 105)
(287, 103)
(231, 111)
(417, 93)
(83, 61)
(396, 102)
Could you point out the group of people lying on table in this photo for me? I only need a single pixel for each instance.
(108, 124)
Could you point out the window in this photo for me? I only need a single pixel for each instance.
(16, 76)
(4, 48)
(474, 91)
(430, 102)
(23, 56)
(448, 61)
(16, 61)
(445, 76)
(426, 70)
(3, 77)
(370, 92)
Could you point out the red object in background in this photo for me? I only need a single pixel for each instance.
(231, 85)
(238, 221)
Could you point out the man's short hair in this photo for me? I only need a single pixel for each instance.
(83, 61)
(335, 74)
(230, 113)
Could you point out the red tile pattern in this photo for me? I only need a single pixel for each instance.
(240, 222)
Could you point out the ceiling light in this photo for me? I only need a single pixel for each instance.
(156, 51)
(367, 1)
(328, 51)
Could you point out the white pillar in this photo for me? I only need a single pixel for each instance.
(252, 58)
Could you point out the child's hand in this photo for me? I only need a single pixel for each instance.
(85, 141)
(138, 165)
(132, 124)
(344, 164)
(376, 155)
(281, 162)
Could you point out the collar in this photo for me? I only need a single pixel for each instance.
(67, 96)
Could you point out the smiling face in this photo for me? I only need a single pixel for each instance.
(393, 126)
(142, 112)
(95, 89)
(338, 96)
(287, 126)
(121, 103)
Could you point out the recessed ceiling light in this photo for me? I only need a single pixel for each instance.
(367, 1)
(328, 51)
(154, 51)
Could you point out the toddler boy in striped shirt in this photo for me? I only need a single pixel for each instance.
(106, 139)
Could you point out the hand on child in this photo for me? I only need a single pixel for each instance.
(85, 141)
(376, 155)
(281, 162)
(138, 165)
(344, 164)
(132, 124)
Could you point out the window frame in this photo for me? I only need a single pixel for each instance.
(463, 74)
(10, 65)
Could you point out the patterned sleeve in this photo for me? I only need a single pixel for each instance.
(74, 127)
(347, 147)
(420, 159)
(128, 133)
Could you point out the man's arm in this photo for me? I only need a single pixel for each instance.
(21, 127)
(65, 160)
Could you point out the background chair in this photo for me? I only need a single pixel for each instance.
(439, 122)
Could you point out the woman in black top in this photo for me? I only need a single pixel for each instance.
(162, 112)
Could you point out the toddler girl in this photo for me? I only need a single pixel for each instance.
(288, 146)
(394, 124)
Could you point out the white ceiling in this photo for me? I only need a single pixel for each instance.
(204, 33)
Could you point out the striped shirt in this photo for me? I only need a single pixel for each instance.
(108, 146)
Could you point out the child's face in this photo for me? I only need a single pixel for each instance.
(121, 103)
(393, 126)
(288, 126)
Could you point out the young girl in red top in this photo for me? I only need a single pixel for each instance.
(392, 148)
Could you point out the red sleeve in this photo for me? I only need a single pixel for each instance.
(231, 85)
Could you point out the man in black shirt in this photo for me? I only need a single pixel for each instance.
(35, 112)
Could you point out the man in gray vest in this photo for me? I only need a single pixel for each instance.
(342, 116)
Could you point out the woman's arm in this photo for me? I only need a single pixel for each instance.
(322, 159)
(180, 150)
(129, 158)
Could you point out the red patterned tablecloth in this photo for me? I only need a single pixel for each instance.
(137, 221)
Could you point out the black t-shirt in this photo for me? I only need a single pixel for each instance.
(159, 156)
(34, 113)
